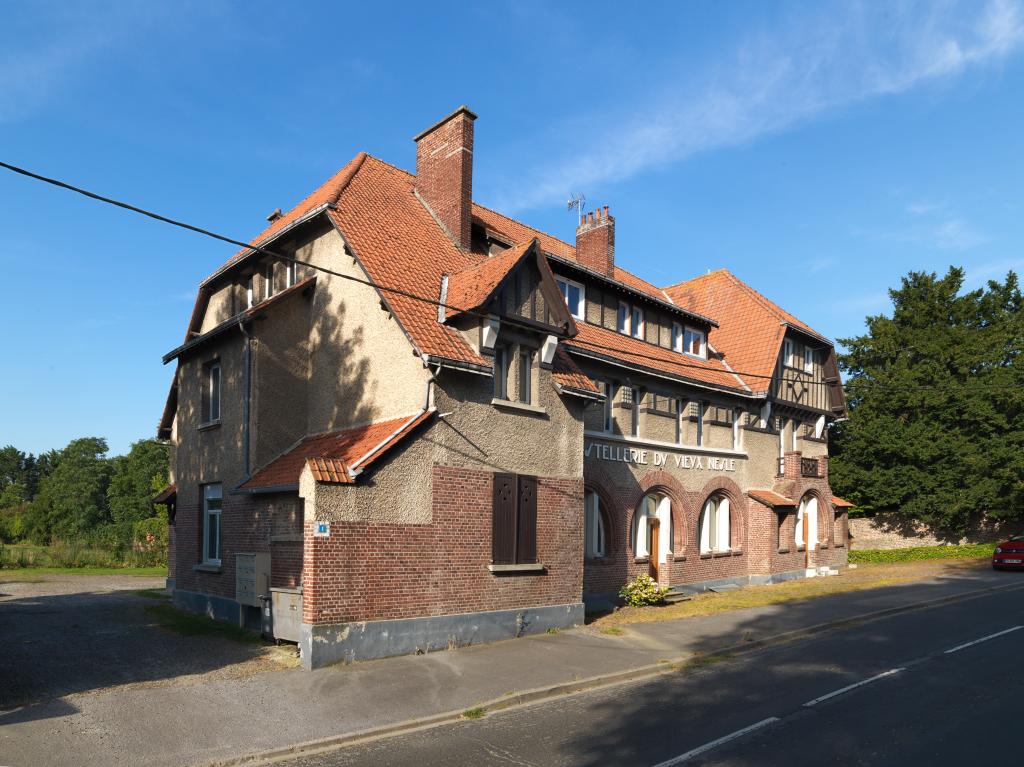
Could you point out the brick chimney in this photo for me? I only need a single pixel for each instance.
(444, 172)
(595, 241)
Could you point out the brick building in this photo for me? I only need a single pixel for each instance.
(410, 422)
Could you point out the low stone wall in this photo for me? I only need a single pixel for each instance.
(891, 531)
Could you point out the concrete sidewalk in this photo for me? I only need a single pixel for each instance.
(223, 720)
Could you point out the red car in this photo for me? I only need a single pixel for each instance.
(1009, 554)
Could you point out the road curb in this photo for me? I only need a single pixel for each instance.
(549, 692)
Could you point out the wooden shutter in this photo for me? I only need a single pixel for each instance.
(526, 548)
(503, 525)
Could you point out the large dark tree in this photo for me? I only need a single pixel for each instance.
(936, 401)
(72, 499)
(135, 479)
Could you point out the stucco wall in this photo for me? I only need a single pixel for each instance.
(362, 367)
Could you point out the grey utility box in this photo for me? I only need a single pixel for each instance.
(286, 614)
(252, 578)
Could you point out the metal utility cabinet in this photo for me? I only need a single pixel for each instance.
(286, 614)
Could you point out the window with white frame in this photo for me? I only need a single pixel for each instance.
(594, 526)
(677, 336)
(736, 433)
(211, 524)
(211, 392)
(250, 295)
(697, 412)
(808, 359)
(290, 273)
(574, 296)
(695, 343)
(609, 397)
(268, 281)
(622, 322)
(637, 322)
(715, 526)
(655, 510)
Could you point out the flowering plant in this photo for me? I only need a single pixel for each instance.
(643, 590)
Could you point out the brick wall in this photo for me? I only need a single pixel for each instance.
(892, 531)
(249, 523)
(376, 571)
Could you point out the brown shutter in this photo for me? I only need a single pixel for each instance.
(526, 552)
(835, 386)
(503, 525)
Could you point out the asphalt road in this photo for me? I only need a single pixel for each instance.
(888, 692)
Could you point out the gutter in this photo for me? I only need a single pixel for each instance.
(264, 490)
(457, 365)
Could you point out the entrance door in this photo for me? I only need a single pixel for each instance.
(655, 549)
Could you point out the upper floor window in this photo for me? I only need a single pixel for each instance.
(637, 322)
(808, 359)
(609, 396)
(795, 355)
(250, 296)
(695, 343)
(268, 280)
(677, 336)
(526, 376)
(501, 372)
(573, 294)
(290, 273)
(623, 322)
(211, 524)
(211, 392)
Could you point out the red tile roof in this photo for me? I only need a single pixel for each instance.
(166, 495)
(770, 498)
(636, 353)
(568, 375)
(333, 455)
(470, 288)
(750, 329)
(837, 501)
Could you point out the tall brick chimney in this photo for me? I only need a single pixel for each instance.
(595, 242)
(444, 172)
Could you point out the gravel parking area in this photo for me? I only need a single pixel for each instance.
(68, 634)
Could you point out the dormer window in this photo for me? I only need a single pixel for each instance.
(637, 322)
(573, 294)
(808, 359)
(624, 318)
(695, 343)
(677, 336)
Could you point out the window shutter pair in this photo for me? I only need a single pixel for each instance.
(514, 524)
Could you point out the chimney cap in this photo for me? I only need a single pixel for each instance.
(469, 113)
(275, 215)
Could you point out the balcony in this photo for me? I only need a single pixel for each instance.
(810, 467)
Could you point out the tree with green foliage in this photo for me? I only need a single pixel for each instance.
(135, 479)
(72, 499)
(936, 405)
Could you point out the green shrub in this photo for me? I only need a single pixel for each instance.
(642, 591)
(968, 550)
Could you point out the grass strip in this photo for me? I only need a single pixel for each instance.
(178, 621)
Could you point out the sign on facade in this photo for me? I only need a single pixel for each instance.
(644, 457)
(322, 530)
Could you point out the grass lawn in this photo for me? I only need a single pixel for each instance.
(33, 574)
(866, 576)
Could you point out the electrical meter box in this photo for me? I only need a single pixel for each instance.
(252, 578)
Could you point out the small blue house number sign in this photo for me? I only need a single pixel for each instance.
(322, 530)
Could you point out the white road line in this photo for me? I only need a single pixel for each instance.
(716, 743)
(983, 639)
(861, 683)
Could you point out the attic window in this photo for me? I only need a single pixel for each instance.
(573, 294)
(695, 343)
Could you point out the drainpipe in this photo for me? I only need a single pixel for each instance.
(247, 383)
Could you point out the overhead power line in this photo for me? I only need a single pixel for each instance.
(408, 294)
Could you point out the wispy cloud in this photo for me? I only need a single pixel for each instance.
(846, 54)
(932, 224)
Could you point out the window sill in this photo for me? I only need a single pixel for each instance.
(206, 568)
(783, 551)
(641, 560)
(208, 425)
(717, 554)
(520, 406)
(535, 567)
(801, 548)
(840, 546)
(595, 560)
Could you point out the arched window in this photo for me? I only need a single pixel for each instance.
(596, 539)
(654, 510)
(715, 526)
(807, 522)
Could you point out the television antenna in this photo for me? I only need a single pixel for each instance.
(577, 200)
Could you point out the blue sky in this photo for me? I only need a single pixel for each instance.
(818, 150)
